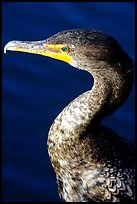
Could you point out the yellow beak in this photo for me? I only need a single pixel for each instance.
(41, 48)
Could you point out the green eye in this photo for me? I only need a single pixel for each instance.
(64, 49)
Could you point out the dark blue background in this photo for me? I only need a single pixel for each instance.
(35, 89)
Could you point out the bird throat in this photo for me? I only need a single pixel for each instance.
(83, 112)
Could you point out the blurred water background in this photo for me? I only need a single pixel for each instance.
(35, 89)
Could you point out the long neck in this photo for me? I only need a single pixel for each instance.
(107, 94)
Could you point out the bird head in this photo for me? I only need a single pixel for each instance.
(81, 48)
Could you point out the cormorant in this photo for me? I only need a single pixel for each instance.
(91, 161)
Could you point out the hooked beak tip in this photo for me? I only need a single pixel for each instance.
(5, 48)
(9, 46)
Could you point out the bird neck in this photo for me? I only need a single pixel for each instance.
(83, 114)
(108, 92)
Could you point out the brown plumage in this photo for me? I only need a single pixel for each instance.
(91, 161)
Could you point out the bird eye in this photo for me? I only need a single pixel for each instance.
(64, 49)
